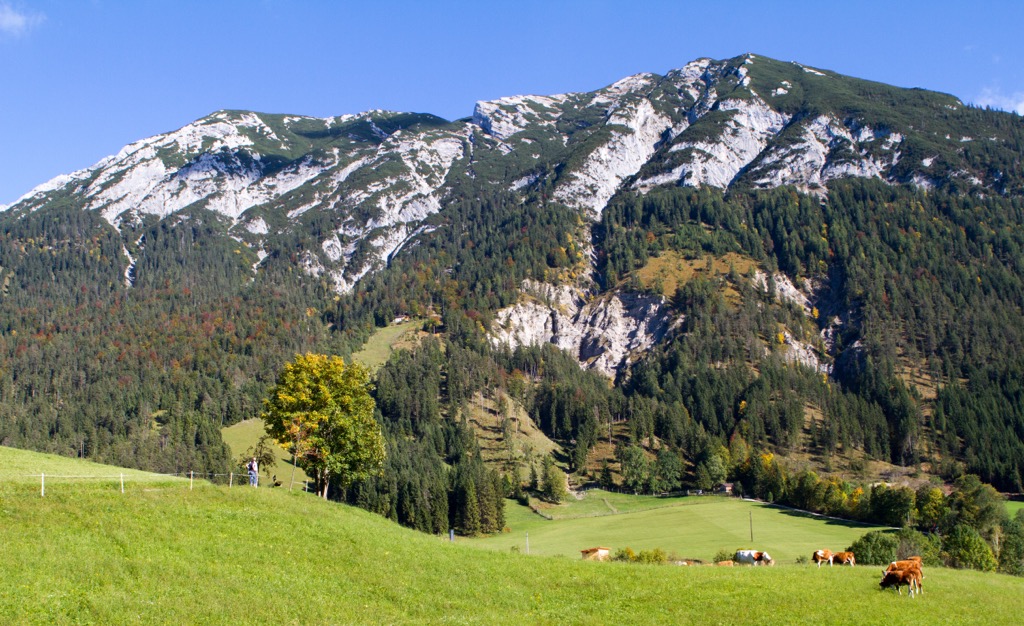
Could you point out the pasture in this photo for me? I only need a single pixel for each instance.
(690, 527)
(1013, 506)
(162, 554)
(24, 466)
(378, 348)
(244, 435)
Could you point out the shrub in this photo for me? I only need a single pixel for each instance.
(723, 555)
(875, 548)
(1011, 551)
(964, 548)
(656, 556)
(911, 542)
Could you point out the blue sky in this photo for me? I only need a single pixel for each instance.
(79, 79)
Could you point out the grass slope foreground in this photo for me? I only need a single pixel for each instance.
(162, 553)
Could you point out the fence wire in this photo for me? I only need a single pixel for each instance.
(230, 479)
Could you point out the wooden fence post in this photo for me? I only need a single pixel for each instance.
(42, 484)
(190, 475)
(231, 479)
(122, 482)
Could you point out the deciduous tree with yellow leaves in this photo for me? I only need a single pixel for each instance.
(321, 411)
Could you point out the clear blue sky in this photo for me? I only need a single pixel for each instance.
(79, 79)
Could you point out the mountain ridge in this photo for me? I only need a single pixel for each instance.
(644, 114)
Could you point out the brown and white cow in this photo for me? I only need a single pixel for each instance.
(844, 558)
(822, 556)
(909, 562)
(911, 577)
(753, 557)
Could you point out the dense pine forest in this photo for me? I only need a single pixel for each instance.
(910, 280)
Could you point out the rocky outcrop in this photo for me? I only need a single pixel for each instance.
(603, 333)
(604, 169)
(784, 290)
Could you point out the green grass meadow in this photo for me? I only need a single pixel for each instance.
(382, 343)
(691, 527)
(164, 554)
(245, 434)
(1013, 506)
(23, 466)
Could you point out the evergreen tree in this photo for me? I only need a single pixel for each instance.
(554, 487)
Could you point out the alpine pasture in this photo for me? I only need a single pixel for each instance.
(162, 553)
(689, 527)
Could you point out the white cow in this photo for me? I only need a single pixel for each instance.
(753, 557)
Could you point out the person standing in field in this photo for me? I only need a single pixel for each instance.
(254, 472)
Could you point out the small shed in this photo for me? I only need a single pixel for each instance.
(596, 554)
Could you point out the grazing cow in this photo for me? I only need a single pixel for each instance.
(910, 577)
(844, 558)
(753, 557)
(909, 562)
(821, 556)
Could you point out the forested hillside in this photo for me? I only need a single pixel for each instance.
(908, 281)
(146, 376)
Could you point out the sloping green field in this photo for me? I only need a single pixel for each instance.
(163, 554)
(383, 341)
(694, 527)
(24, 466)
(245, 434)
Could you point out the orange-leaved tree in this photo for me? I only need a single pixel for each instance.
(321, 410)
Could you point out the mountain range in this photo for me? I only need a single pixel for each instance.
(797, 258)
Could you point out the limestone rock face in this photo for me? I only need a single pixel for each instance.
(603, 333)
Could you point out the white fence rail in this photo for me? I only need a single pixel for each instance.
(135, 477)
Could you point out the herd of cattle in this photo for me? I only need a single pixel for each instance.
(898, 574)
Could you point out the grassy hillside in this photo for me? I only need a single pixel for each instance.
(25, 466)
(244, 435)
(384, 341)
(694, 527)
(167, 555)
